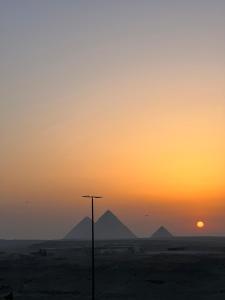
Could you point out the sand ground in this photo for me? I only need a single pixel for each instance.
(181, 269)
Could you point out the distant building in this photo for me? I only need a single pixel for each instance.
(81, 231)
(108, 227)
(162, 233)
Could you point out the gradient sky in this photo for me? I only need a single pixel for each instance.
(121, 98)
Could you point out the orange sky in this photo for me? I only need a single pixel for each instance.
(126, 101)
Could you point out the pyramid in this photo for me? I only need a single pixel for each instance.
(109, 227)
(81, 231)
(161, 233)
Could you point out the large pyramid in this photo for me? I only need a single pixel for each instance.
(109, 227)
(81, 231)
(162, 233)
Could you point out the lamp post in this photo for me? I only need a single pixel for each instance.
(92, 197)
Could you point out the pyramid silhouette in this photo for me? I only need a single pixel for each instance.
(81, 231)
(162, 233)
(109, 227)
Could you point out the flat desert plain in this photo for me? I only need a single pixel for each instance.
(178, 269)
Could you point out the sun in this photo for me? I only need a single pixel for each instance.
(200, 224)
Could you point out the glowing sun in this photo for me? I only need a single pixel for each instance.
(200, 224)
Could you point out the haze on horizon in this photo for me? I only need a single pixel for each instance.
(120, 98)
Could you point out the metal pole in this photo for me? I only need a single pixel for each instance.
(92, 197)
(93, 249)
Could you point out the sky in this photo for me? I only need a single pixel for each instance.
(124, 99)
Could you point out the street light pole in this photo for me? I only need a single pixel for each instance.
(92, 243)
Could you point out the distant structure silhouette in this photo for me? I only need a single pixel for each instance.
(81, 231)
(162, 234)
(108, 227)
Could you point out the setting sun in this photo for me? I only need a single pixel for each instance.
(200, 224)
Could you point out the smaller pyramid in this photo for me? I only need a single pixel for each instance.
(81, 231)
(109, 227)
(162, 233)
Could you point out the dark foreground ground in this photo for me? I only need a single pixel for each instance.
(182, 269)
